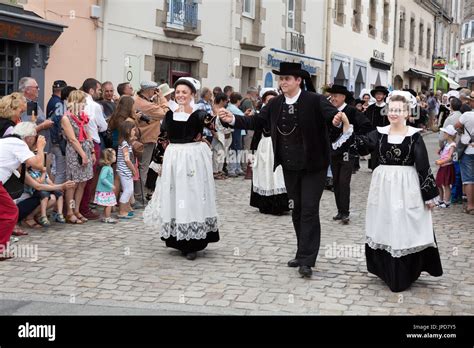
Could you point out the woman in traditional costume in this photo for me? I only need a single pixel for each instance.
(400, 241)
(183, 205)
(268, 191)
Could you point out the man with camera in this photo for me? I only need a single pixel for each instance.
(152, 107)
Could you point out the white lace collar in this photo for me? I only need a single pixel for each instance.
(410, 132)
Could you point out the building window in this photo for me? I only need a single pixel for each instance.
(249, 8)
(182, 14)
(471, 31)
(340, 11)
(462, 60)
(412, 34)
(357, 15)
(401, 37)
(291, 14)
(168, 71)
(386, 19)
(8, 71)
(428, 43)
(420, 39)
(373, 18)
(465, 28)
(468, 59)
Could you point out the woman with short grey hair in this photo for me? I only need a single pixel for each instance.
(14, 151)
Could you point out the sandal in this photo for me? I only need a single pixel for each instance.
(30, 223)
(468, 211)
(124, 217)
(43, 221)
(72, 219)
(17, 231)
(81, 217)
(60, 218)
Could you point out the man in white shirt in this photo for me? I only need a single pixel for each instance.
(466, 121)
(96, 125)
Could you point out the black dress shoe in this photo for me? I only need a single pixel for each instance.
(191, 256)
(305, 271)
(345, 219)
(337, 217)
(293, 263)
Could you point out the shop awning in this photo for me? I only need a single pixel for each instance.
(452, 84)
(380, 64)
(419, 73)
(17, 24)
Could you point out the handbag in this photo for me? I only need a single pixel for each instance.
(16, 184)
(461, 148)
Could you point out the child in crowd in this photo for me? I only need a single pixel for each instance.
(104, 195)
(445, 177)
(125, 169)
(45, 196)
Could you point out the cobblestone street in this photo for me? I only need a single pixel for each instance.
(127, 266)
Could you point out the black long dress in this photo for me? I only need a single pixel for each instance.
(396, 212)
(276, 204)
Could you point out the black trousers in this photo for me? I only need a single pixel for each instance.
(342, 172)
(304, 193)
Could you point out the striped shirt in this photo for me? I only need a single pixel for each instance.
(122, 168)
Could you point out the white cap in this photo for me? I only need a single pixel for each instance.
(449, 130)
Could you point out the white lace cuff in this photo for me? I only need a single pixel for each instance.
(434, 200)
(343, 138)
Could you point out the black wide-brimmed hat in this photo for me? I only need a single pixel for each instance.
(411, 91)
(339, 89)
(382, 89)
(291, 69)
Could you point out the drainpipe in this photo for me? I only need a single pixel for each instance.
(105, 27)
(397, 21)
(232, 67)
(327, 44)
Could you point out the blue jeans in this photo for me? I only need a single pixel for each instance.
(456, 190)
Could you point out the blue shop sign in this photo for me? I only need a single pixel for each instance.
(275, 63)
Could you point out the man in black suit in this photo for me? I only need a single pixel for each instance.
(299, 121)
(343, 155)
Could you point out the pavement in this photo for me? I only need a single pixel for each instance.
(97, 268)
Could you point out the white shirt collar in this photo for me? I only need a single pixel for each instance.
(410, 132)
(381, 105)
(342, 107)
(293, 100)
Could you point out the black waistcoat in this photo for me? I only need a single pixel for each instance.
(290, 148)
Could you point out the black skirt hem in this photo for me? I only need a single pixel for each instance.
(192, 245)
(399, 273)
(274, 205)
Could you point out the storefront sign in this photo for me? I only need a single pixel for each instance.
(275, 63)
(26, 33)
(439, 63)
(379, 55)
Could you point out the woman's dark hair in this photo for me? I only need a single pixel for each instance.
(216, 90)
(268, 93)
(125, 131)
(235, 97)
(123, 111)
(66, 91)
(455, 103)
(220, 97)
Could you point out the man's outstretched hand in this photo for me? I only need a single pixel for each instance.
(225, 115)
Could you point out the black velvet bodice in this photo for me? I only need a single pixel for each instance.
(182, 132)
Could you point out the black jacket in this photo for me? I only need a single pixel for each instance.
(361, 125)
(315, 119)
